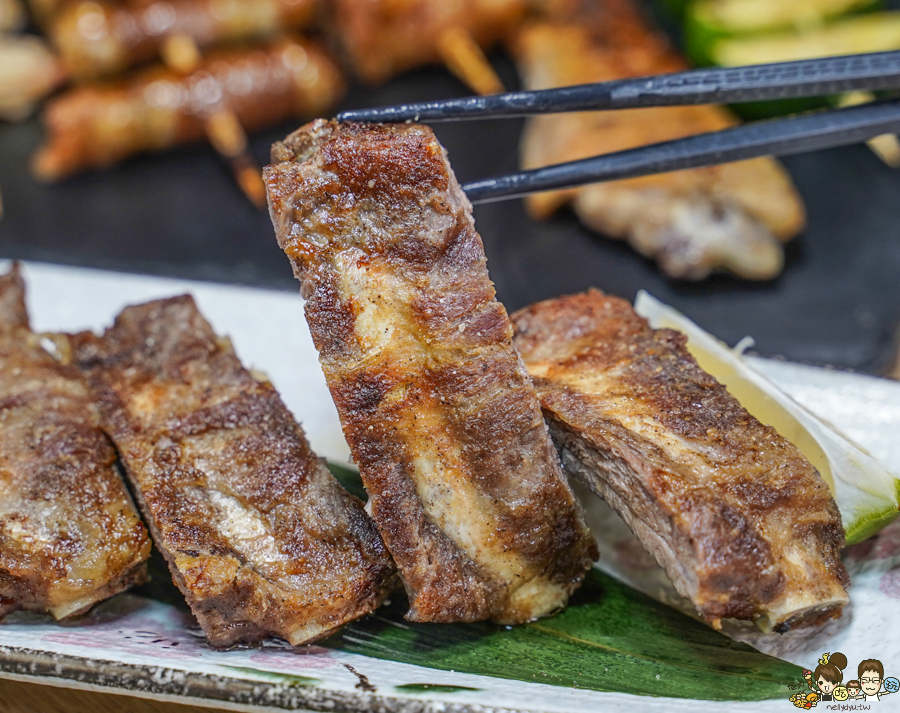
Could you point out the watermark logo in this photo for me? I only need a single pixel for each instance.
(826, 684)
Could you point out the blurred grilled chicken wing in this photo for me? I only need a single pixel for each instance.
(733, 216)
(259, 536)
(382, 38)
(98, 38)
(98, 125)
(70, 535)
(741, 522)
(440, 414)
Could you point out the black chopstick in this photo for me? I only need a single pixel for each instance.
(814, 77)
(776, 137)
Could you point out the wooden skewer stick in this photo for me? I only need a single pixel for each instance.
(223, 129)
(180, 53)
(228, 137)
(465, 58)
(886, 146)
(893, 371)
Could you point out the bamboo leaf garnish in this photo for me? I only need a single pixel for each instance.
(610, 638)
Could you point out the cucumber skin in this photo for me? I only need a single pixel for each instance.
(754, 111)
(700, 37)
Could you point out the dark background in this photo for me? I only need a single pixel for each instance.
(179, 213)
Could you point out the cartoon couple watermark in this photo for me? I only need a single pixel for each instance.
(826, 683)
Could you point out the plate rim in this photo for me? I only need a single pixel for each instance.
(208, 690)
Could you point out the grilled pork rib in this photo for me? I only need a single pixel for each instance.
(741, 522)
(259, 536)
(733, 216)
(435, 402)
(70, 535)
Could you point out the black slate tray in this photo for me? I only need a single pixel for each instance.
(179, 213)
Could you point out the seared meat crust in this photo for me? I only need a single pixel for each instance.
(742, 523)
(259, 536)
(732, 216)
(436, 405)
(70, 535)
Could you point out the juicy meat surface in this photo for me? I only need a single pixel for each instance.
(732, 216)
(70, 535)
(741, 522)
(258, 534)
(382, 38)
(435, 403)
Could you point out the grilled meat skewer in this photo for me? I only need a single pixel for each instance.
(98, 38)
(382, 38)
(99, 125)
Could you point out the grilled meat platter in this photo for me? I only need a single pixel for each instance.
(466, 423)
(443, 400)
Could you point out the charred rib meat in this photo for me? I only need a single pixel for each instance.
(259, 536)
(742, 523)
(70, 535)
(439, 412)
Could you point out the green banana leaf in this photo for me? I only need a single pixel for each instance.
(609, 638)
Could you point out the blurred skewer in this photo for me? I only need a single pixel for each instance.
(181, 54)
(464, 57)
(228, 137)
(28, 71)
(886, 146)
(12, 16)
(42, 10)
(101, 38)
(380, 39)
(894, 373)
(98, 125)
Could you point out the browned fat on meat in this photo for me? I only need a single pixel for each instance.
(741, 522)
(259, 536)
(436, 404)
(70, 535)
